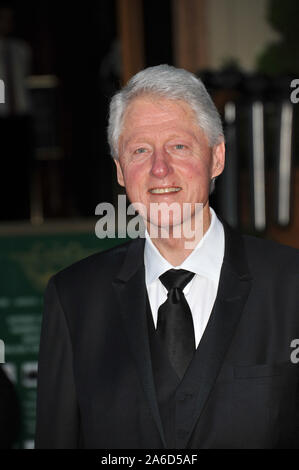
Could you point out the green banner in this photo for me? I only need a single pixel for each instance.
(27, 262)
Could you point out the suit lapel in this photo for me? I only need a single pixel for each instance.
(130, 290)
(233, 290)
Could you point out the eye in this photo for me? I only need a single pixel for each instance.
(140, 150)
(180, 146)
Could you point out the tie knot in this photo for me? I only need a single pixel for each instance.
(176, 278)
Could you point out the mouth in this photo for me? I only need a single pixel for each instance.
(168, 189)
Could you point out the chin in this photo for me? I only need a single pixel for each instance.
(164, 226)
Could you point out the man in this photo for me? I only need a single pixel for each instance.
(156, 344)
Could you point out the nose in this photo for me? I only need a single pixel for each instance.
(160, 165)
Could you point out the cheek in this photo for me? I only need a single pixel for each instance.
(196, 172)
(133, 178)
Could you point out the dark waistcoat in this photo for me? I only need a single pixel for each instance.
(170, 389)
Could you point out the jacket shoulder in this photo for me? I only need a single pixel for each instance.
(270, 256)
(106, 262)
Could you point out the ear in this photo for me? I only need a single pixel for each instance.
(218, 159)
(119, 172)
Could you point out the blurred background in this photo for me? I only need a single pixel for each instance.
(60, 63)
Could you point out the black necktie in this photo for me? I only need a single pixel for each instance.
(175, 323)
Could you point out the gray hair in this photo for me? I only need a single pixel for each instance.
(171, 83)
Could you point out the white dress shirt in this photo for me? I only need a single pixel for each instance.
(205, 261)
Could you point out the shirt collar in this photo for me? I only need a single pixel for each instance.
(205, 260)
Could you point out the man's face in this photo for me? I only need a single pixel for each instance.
(164, 156)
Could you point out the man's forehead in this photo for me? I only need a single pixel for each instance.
(144, 114)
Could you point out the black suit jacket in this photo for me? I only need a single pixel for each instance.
(95, 379)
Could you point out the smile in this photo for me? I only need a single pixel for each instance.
(164, 190)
